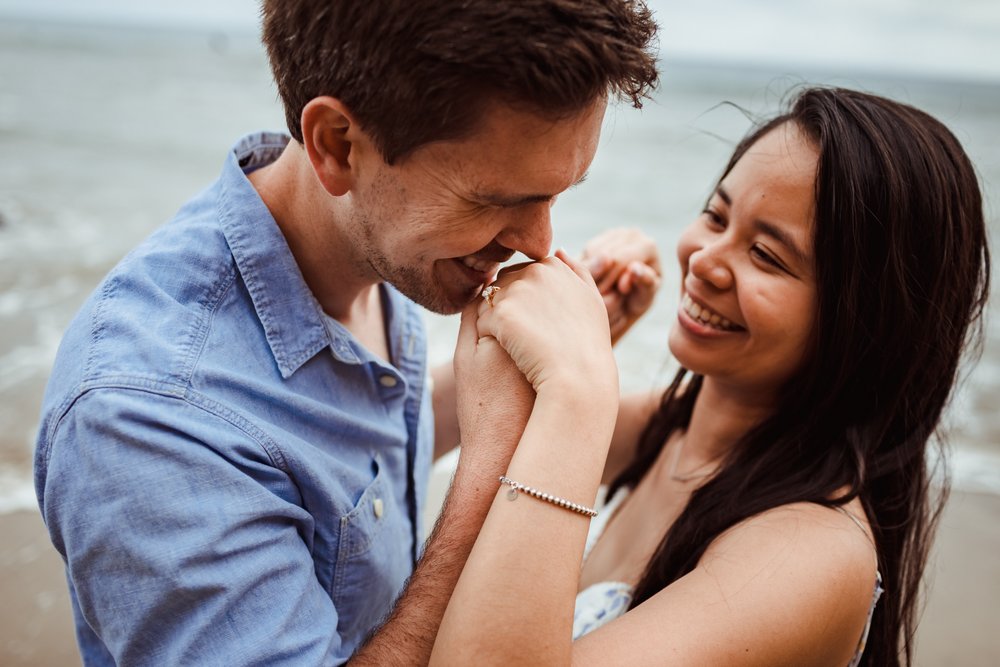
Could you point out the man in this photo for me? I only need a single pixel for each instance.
(238, 429)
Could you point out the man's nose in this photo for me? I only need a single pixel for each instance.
(529, 230)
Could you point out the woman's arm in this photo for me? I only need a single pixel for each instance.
(514, 599)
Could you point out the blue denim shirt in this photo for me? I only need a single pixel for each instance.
(230, 476)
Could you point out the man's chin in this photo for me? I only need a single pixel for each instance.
(440, 300)
(444, 304)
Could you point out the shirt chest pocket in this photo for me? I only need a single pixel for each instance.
(373, 560)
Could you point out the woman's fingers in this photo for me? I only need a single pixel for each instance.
(605, 272)
(579, 267)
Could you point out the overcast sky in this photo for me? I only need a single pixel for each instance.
(935, 37)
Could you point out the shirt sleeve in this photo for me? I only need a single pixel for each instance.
(185, 542)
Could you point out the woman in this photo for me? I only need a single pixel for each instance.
(758, 510)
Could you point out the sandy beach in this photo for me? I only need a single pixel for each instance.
(152, 115)
(958, 629)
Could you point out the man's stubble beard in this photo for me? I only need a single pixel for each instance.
(411, 281)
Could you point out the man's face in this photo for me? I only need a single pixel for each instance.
(438, 223)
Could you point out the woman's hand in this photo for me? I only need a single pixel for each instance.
(551, 320)
(625, 264)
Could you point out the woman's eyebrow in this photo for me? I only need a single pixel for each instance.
(782, 237)
(772, 230)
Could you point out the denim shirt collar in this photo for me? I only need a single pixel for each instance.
(291, 316)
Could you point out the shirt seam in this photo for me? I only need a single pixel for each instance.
(177, 391)
(191, 350)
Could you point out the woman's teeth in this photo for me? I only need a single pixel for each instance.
(706, 316)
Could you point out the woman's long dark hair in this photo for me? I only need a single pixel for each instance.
(902, 271)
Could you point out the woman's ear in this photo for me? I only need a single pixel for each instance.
(328, 134)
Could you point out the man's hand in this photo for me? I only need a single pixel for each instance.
(494, 398)
(625, 265)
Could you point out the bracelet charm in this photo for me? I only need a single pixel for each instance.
(515, 487)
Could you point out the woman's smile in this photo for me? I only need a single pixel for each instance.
(706, 317)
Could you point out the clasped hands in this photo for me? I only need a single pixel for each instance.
(549, 330)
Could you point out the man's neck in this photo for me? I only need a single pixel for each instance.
(332, 267)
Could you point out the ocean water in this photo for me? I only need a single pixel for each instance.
(942, 37)
(105, 132)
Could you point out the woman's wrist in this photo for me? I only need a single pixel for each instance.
(587, 410)
(593, 387)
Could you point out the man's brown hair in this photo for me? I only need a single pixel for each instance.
(416, 71)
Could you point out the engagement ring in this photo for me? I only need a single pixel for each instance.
(488, 293)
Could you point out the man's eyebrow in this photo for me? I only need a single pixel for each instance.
(510, 201)
(772, 230)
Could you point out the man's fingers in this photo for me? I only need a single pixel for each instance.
(468, 332)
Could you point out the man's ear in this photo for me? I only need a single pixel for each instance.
(329, 133)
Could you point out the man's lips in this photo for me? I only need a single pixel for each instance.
(481, 265)
(487, 262)
(472, 275)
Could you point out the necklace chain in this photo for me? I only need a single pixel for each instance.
(694, 474)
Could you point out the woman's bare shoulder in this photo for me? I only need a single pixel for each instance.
(810, 544)
(792, 585)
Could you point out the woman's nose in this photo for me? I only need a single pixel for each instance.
(709, 265)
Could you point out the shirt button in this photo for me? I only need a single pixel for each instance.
(387, 381)
(378, 507)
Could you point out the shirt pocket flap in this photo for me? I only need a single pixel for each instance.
(373, 559)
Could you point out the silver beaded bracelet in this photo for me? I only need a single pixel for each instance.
(547, 497)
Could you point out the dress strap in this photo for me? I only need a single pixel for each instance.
(860, 525)
(857, 522)
(876, 592)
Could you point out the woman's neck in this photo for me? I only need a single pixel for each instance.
(721, 416)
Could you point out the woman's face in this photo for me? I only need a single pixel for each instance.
(748, 286)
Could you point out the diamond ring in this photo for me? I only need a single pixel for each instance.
(488, 293)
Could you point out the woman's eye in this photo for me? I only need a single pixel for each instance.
(713, 218)
(765, 257)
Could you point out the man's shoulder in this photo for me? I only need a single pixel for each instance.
(162, 292)
(141, 319)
